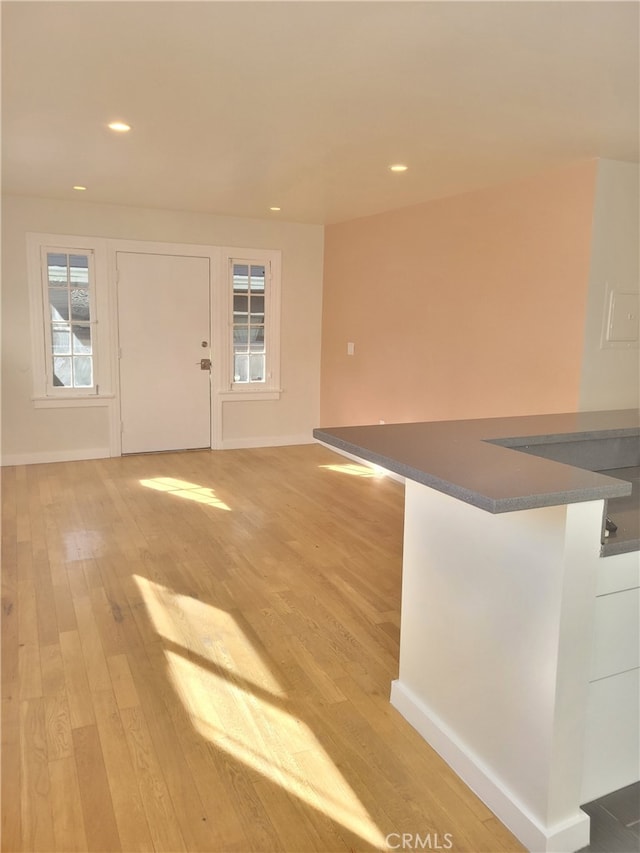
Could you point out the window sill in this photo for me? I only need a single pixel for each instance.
(72, 402)
(250, 394)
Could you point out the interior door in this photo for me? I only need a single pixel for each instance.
(164, 332)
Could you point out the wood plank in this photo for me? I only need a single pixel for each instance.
(46, 613)
(23, 517)
(193, 813)
(92, 651)
(65, 613)
(11, 788)
(28, 622)
(158, 806)
(77, 579)
(68, 821)
(122, 681)
(36, 517)
(10, 633)
(35, 790)
(130, 817)
(11, 793)
(58, 725)
(92, 576)
(29, 674)
(95, 796)
(292, 820)
(118, 631)
(76, 681)
(56, 703)
(160, 697)
(9, 599)
(52, 668)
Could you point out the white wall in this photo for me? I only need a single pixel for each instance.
(611, 375)
(30, 434)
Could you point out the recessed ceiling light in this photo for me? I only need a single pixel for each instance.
(398, 167)
(79, 188)
(274, 208)
(119, 126)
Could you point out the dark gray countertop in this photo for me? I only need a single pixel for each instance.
(460, 459)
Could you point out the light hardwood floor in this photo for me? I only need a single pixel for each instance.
(197, 654)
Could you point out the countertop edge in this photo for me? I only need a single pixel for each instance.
(608, 487)
(562, 437)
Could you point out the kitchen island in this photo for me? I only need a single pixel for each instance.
(519, 624)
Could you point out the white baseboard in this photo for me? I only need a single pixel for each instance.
(265, 441)
(55, 456)
(392, 474)
(104, 452)
(569, 836)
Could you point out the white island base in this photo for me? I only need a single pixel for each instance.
(519, 657)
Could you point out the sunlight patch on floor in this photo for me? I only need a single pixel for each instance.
(235, 702)
(184, 489)
(356, 470)
(206, 631)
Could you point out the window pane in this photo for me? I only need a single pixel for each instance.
(240, 304)
(83, 371)
(257, 368)
(257, 278)
(257, 319)
(57, 269)
(61, 340)
(240, 337)
(59, 303)
(81, 340)
(257, 304)
(62, 372)
(79, 269)
(256, 337)
(241, 368)
(80, 304)
(240, 277)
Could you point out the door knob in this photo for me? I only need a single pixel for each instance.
(205, 363)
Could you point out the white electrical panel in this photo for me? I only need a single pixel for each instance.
(622, 319)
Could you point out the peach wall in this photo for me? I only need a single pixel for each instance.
(469, 306)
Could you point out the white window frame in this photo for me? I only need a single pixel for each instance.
(270, 388)
(45, 393)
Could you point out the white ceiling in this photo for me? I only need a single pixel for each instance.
(238, 106)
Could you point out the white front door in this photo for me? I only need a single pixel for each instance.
(164, 332)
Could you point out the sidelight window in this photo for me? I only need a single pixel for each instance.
(69, 336)
(71, 360)
(249, 343)
(253, 365)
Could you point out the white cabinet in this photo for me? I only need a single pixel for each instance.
(612, 732)
(612, 739)
(616, 634)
